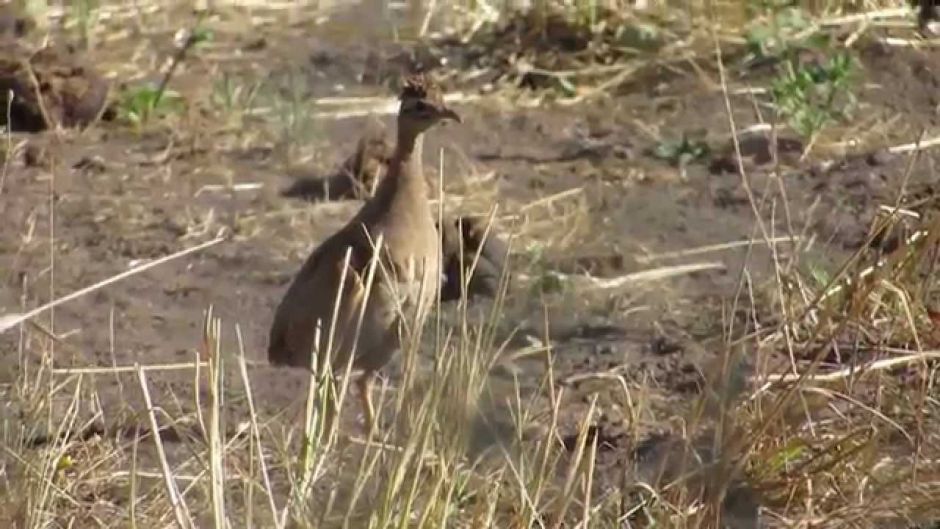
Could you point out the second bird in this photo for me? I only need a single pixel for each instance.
(408, 272)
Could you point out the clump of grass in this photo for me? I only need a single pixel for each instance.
(234, 96)
(141, 105)
(291, 118)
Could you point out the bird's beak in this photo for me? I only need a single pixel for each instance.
(447, 113)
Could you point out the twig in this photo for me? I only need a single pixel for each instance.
(712, 248)
(654, 274)
(908, 43)
(191, 40)
(867, 16)
(891, 210)
(551, 198)
(247, 186)
(916, 146)
(877, 365)
(126, 369)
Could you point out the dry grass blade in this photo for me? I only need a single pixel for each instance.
(212, 340)
(577, 460)
(256, 431)
(128, 369)
(178, 504)
(8, 321)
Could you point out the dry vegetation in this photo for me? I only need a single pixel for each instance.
(813, 403)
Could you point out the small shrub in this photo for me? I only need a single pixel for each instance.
(809, 95)
(812, 96)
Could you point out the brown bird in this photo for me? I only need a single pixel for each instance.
(356, 178)
(408, 272)
(462, 238)
(52, 86)
(470, 255)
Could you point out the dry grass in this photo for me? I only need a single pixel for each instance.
(781, 416)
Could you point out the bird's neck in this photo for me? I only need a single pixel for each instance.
(405, 171)
(403, 188)
(408, 150)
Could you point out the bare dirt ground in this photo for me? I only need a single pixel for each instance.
(575, 186)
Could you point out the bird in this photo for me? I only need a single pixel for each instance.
(356, 178)
(52, 86)
(472, 259)
(407, 273)
(462, 237)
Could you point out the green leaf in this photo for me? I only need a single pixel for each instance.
(789, 453)
(201, 35)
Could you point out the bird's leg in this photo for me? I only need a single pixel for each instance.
(365, 383)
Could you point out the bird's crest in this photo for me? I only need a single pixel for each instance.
(419, 86)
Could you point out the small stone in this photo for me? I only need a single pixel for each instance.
(91, 164)
(877, 158)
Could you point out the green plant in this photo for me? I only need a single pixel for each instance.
(291, 117)
(680, 152)
(782, 32)
(810, 96)
(138, 106)
(640, 36)
(233, 96)
(545, 280)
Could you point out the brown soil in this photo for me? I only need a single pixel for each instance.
(109, 198)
